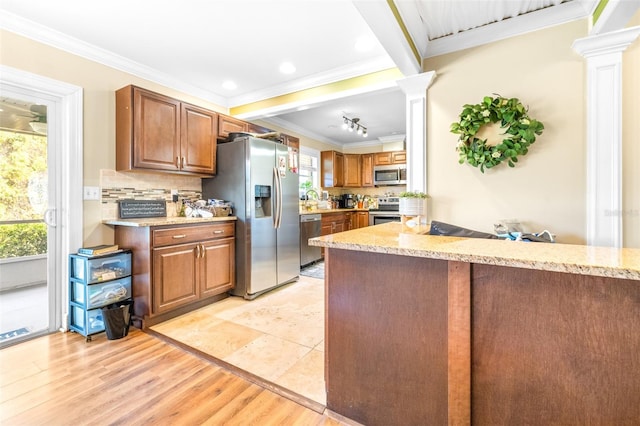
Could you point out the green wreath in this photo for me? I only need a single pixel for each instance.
(519, 129)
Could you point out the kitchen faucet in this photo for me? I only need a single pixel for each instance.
(306, 195)
(307, 203)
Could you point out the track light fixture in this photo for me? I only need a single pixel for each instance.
(353, 124)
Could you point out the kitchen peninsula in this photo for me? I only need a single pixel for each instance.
(440, 330)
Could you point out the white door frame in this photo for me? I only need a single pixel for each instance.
(65, 130)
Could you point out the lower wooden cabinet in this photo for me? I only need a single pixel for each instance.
(178, 268)
(361, 220)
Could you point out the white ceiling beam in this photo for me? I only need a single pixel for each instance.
(533, 21)
(615, 16)
(382, 21)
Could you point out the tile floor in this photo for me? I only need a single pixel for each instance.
(279, 336)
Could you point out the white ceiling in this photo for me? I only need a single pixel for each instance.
(197, 45)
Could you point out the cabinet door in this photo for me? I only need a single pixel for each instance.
(366, 161)
(326, 228)
(338, 178)
(291, 141)
(399, 157)
(363, 219)
(382, 158)
(331, 169)
(175, 277)
(350, 221)
(228, 125)
(198, 140)
(156, 131)
(217, 267)
(352, 170)
(258, 130)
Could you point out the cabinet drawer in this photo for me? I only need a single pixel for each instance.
(96, 295)
(86, 322)
(190, 234)
(97, 269)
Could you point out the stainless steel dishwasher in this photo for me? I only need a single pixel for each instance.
(309, 228)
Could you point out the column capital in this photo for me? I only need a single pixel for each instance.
(602, 44)
(417, 85)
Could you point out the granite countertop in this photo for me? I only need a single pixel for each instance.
(398, 239)
(159, 221)
(324, 211)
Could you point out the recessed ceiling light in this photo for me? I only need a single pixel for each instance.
(364, 44)
(229, 85)
(287, 68)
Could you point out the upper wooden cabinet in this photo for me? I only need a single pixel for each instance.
(254, 128)
(352, 170)
(158, 133)
(390, 157)
(331, 169)
(366, 164)
(228, 125)
(291, 141)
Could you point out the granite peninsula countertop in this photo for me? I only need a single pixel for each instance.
(396, 238)
(159, 221)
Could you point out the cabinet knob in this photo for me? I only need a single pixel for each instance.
(177, 162)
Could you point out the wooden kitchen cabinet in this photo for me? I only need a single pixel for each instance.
(352, 170)
(334, 222)
(366, 165)
(258, 130)
(158, 133)
(331, 169)
(390, 157)
(291, 141)
(228, 125)
(178, 268)
(361, 219)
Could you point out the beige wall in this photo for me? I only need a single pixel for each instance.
(99, 83)
(546, 189)
(630, 138)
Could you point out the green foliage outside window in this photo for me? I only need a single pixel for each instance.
(25, 239)
(23, 193)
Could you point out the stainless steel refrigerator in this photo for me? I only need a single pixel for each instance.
(257, 176)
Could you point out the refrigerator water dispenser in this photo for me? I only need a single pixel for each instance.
(262, 196)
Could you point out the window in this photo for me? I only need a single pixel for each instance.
(309, 170)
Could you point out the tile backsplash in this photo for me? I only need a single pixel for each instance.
(144, 186)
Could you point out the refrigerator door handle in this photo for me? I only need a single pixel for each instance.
(276, 199)
(280, 199)
(278, 215)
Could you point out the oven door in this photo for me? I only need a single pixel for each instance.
(379, 218)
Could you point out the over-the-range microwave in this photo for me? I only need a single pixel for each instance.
(390, 175)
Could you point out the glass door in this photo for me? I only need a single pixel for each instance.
(26, 197)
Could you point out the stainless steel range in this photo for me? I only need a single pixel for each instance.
(388, 211)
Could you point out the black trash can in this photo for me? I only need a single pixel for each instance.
(117, 317)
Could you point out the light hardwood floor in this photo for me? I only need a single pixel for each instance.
(60, 379)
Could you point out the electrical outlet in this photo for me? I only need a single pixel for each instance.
(174, 195)
(91, 193)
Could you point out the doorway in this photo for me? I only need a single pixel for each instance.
(41, 206)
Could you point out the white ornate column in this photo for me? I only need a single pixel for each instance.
(415, 89)
(604, 133)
